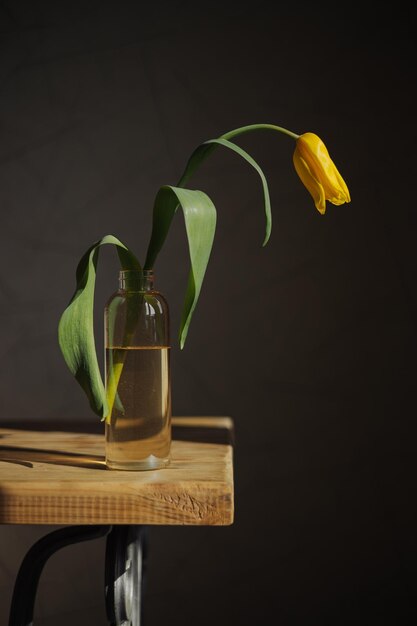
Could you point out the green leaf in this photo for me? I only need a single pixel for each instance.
(251, 161)
(76, 326)
(200, 223)
(167, 202)
(201, 153)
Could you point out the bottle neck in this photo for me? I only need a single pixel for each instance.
(136, 280)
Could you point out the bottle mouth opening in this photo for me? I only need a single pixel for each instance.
(136, 280)
(136, 274)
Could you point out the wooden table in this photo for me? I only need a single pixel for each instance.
(56, 474)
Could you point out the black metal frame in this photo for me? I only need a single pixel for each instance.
(126, 559)
(126, 553)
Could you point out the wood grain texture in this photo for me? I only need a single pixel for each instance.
(61, 478)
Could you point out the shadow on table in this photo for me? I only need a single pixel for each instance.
(27, 456)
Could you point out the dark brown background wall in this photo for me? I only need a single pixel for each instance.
(309, 344)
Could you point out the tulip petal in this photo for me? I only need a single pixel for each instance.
(310, 182)
(343, 186)
(314, 152)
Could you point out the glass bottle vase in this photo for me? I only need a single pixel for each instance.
(137, 375)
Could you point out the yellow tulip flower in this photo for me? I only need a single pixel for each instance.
(318, 172)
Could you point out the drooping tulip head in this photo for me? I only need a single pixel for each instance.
(318, 172)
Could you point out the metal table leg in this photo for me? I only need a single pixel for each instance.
(26, 585)
(126, 554)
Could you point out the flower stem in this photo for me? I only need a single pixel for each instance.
(247, 129)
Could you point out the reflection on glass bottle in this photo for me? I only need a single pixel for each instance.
(137, 366)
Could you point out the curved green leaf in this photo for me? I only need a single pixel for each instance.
(76, 326)
(200, 223)
(251, 161)
(167, 202)
(201, 153)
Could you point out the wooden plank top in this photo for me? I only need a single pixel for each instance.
(55, 477)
